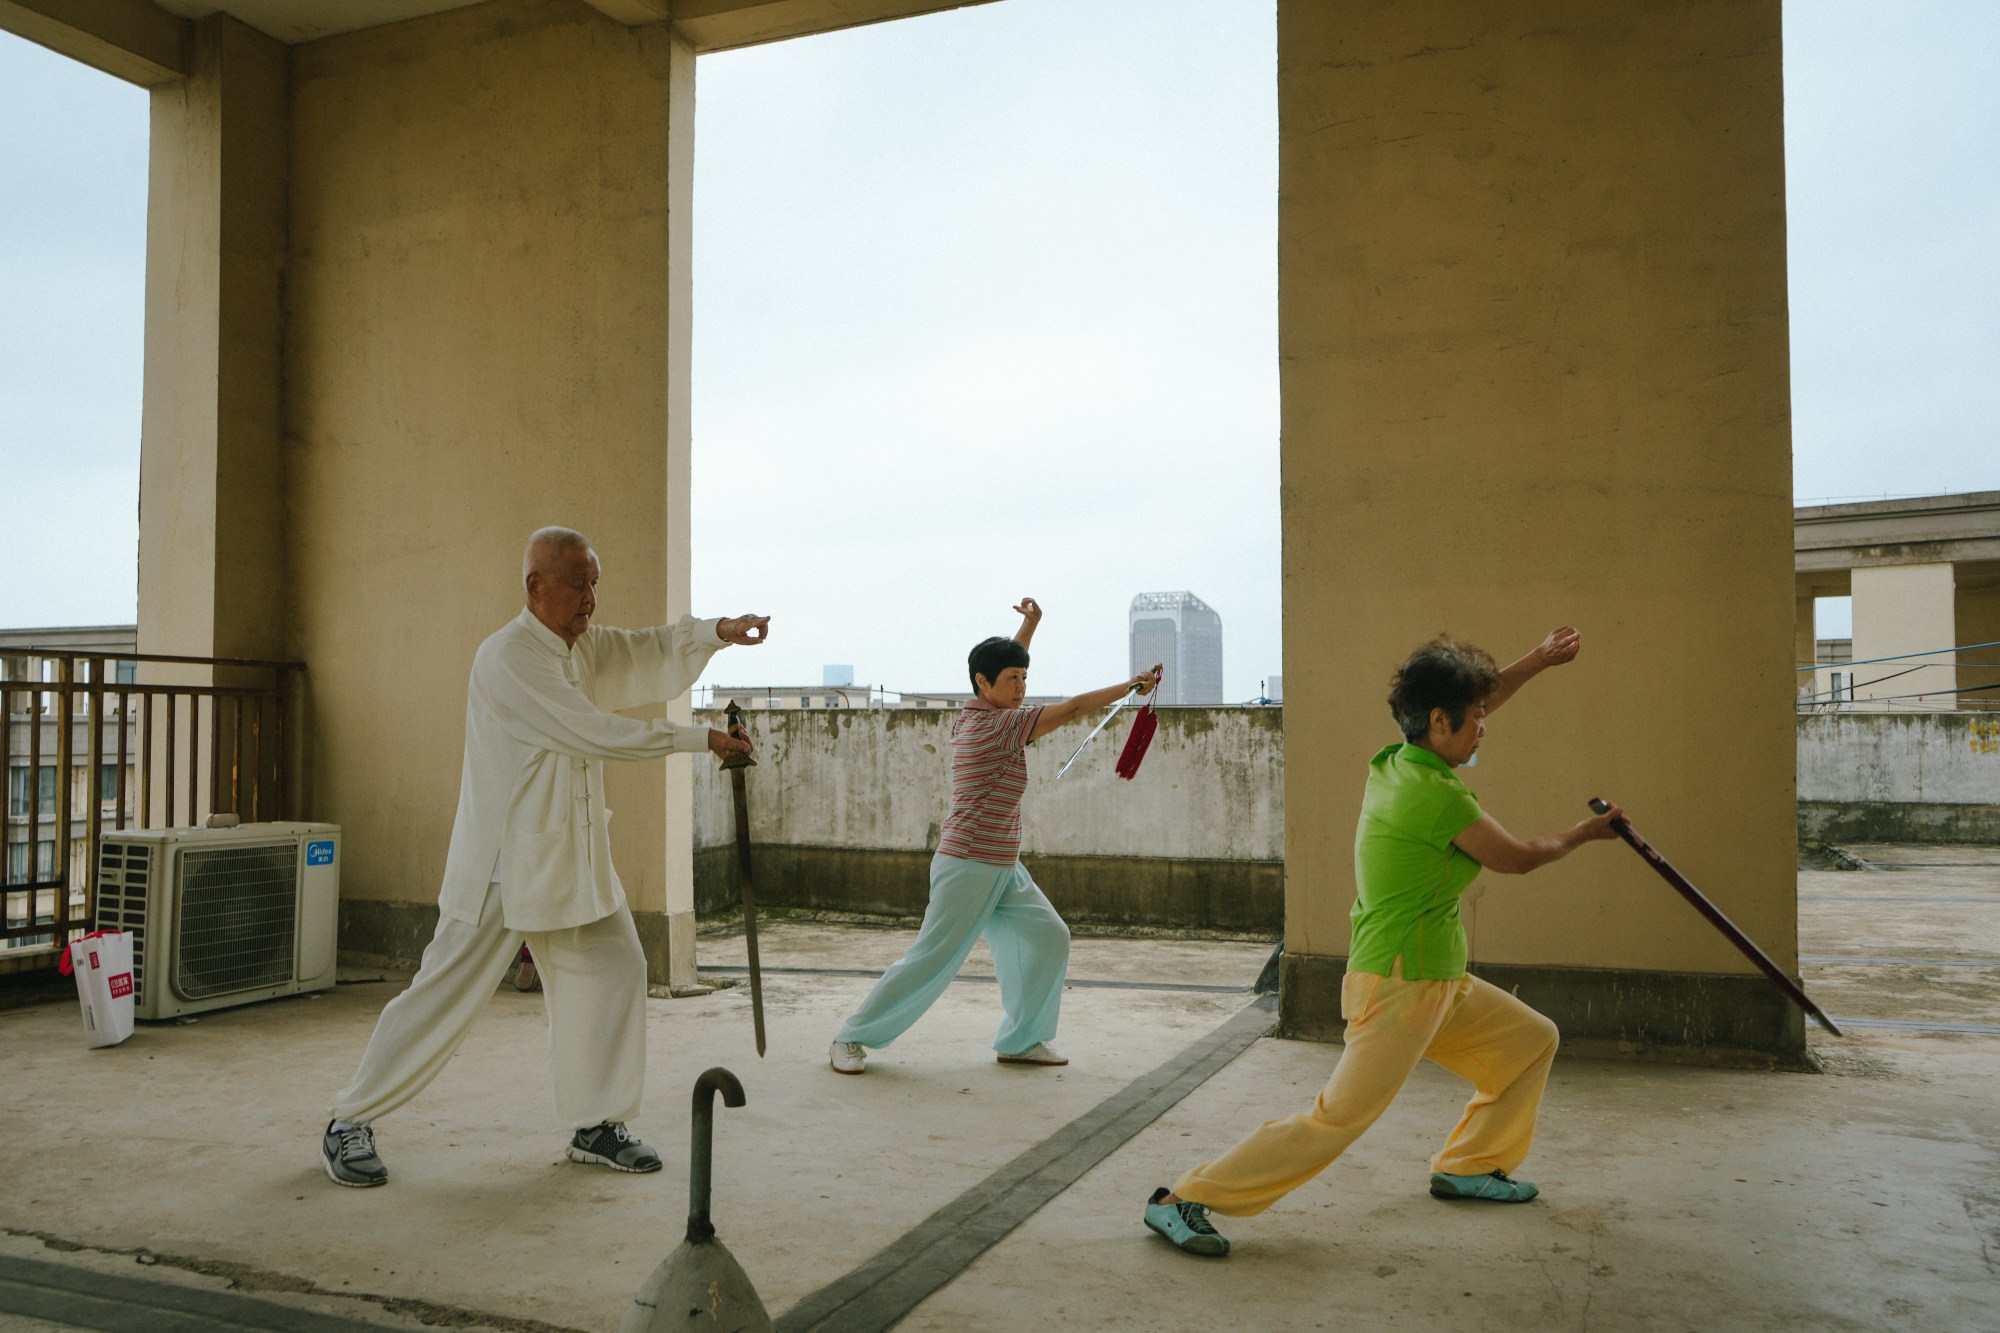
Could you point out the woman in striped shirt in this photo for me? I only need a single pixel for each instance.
(978, 885)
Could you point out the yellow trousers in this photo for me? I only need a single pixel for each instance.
(1476, 1030)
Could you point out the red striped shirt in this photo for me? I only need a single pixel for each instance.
(989, 775)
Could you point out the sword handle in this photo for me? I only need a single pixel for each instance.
(734, 727)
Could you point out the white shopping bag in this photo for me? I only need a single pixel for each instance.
(102, 962)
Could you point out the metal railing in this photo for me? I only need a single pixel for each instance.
(155, 753)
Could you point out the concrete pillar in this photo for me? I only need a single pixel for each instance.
(211, 492)
(482, 339)
(679, 880)
(211, 473)
(1901, 609)
(1533, 332)
(1805, 643)
(1978, 619)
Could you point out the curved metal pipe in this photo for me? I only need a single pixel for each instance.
(701, 1145)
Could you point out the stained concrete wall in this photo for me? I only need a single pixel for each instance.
(1532, 325)
(1899, 777)
(844, 808)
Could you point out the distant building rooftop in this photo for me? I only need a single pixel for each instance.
(71, 638)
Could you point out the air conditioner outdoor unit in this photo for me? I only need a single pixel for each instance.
(222, 916)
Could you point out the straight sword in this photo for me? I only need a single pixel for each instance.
(1715, 916)
(1105, 722)
(734, 763)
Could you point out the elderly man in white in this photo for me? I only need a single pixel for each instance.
(530, 860)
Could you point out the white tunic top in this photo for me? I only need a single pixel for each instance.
(539, 724)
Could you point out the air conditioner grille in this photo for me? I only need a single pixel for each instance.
(123, 871)
(238, 919)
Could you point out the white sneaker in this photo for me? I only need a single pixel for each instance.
(847, 1057)
(1041, 1053)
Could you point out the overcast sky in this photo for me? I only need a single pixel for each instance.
(979, 316)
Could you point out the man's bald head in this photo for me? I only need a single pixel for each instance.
(559, 571)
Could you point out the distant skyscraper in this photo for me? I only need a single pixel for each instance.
(1184, 633)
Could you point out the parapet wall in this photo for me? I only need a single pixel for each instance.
(844, 810)
(1899, 777)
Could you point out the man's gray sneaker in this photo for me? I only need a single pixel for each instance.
(349, 1157)
(611, 1144)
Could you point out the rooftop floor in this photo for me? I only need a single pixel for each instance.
(180, 1168)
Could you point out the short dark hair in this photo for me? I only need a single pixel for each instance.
(992, 656)
(1446, 674)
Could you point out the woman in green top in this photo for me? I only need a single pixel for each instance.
(1421, 841)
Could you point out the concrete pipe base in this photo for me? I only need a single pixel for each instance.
(698, 1286)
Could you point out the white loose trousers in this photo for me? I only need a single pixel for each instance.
(594, 987)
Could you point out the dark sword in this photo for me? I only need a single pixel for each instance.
(734, 763)
(1715, 916)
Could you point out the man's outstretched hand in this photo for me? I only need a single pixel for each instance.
(747, 630)
(722, 744)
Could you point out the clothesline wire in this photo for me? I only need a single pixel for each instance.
(1904, 657)
(1928, 694)
(1847, 691)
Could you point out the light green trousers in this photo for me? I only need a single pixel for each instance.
(1030, 947)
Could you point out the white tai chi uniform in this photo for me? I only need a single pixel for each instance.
(530, 860)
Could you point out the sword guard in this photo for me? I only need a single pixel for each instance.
(735, 728)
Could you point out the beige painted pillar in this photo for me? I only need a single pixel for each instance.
(1978, 602)
(1533, 332)
(679, 880)
(1901, 609)
(211, 475)
(1805, 642)
(211, 493)
(482, 339)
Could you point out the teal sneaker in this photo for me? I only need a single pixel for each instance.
(1186, 1224)
(1494, 1187)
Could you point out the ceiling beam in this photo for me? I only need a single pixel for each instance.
(720, 25)
(134, 40)
(633, 12)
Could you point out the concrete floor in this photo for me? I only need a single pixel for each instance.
(1674, 1197)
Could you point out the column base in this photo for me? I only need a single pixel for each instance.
(1730, 1021)
(391, 932)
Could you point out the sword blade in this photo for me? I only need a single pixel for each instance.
(1717, 918)
(1094, 730)
(749, 903)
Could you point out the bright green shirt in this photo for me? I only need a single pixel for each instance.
(1409, 874)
